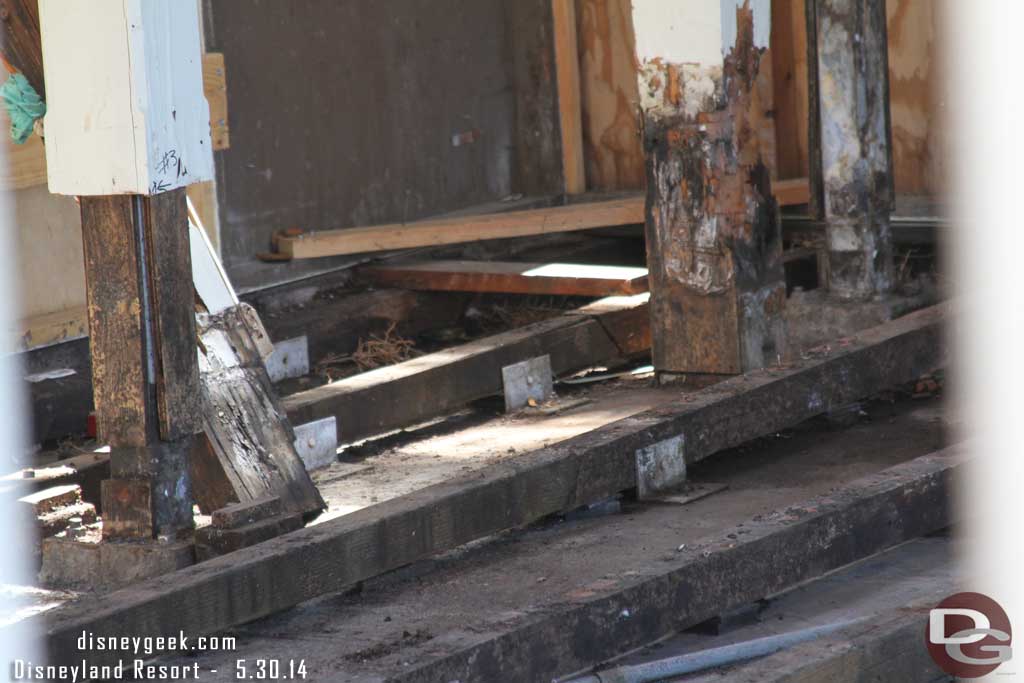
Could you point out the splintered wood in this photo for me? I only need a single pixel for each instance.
(251, 442)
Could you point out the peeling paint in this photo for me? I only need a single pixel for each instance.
(714, 242)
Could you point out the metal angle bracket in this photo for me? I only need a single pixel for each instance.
(317, 442)
(526, 380)
(660, 467)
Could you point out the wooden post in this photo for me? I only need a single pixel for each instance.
(714, 242)
(128, 128)
(855, 143)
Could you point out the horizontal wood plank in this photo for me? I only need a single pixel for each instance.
(455, 230)
(407, 393)
(283, 572)
(562, 279)
(628, 210)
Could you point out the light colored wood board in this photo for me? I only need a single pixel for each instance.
(583, 216)
(204, 200)
(567, 68)
(565, 279)
(22, 165)
(791, 192)
(49, 328)
(613, 155)
(126, 112)
(215, 87)
(628, 210)
(789, 63)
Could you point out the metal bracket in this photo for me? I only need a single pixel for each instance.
(529, 379)
(317, 442)
(290, 358)
(660, 467)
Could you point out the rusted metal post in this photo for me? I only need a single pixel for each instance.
(856, 149)
(713, 234)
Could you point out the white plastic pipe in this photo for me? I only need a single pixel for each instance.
(713, 658)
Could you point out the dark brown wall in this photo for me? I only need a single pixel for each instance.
(342, 114)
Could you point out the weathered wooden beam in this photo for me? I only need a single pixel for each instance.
(560, 279)
(714, 243)
(142, 342)
(862, 518)
(127, 128)
(856, 144)
(278, 574)
(251, 445)
(416, 390)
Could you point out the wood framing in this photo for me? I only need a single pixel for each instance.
(280, 573)
(567, 66)
(215, 88)
(561, 279)
(582, 216)
(416, 390)
(142, 343)
(623, 210)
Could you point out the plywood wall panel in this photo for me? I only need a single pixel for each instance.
(611, 137)
(915, 85)
(789, 62)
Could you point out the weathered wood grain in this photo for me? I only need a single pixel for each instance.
(173, 296)
(244, 422)
(258, 581)
(776, 551)
(123, 416)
